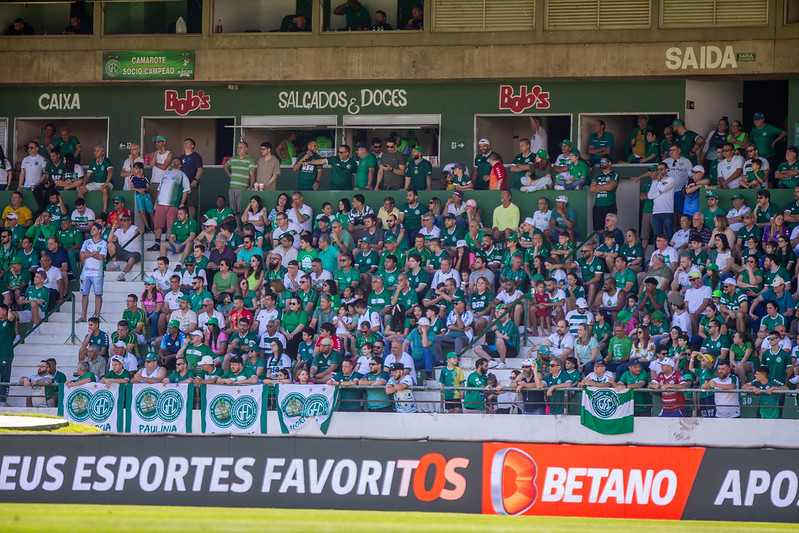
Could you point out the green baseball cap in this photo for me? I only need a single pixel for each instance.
(717, 294)
(184, 298)
(567, 142)
(119, 199)
(390, 238)
(418, 149)
(657, 315)
(624, 315)
(212, 321)
(17, 259)
(737, 196)
(541, 153)
(575, 152)
(189, 260)
(151, 357)
(544, 350)
(513, 238)
(677, 122)
(712, 194)
(713, 266)
(366, 239)
(652, 168)
(452, 354)
(173, 324)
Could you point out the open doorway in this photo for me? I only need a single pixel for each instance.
(505, 132)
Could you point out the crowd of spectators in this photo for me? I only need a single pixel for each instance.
(347, 295)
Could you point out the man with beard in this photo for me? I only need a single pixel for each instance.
(727, 403)
(533, 397)
(603, 185)
(36, 383)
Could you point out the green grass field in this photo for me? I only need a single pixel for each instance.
(101, 518)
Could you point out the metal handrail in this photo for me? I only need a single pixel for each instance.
(69, 297)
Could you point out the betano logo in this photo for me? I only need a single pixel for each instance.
(611, 481)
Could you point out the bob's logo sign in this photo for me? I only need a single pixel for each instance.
(191, 102)
(535, 96)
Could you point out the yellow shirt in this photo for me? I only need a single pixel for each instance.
(382, 214)
(506, 218)
(23, 213)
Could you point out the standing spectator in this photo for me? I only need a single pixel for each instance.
(418, 173)
(192, 166)
(159, 161)
(603, 185)
(267, 169)
(522, 163)
(635, 149)
(92, 254)
(452, 376)
(391, 171)
(365, 176)
(6, 350)
(309, 167)
(689, 141)
(764, 386)
(670, 380)
(32, 167)
(506, 217)
(765, 137)
(787, 174)
(241, 171)
(600, 144)
(127, 166)
(68, 144)
(173, 189)
(474, 400)
(662, 194)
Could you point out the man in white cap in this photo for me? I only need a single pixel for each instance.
(734, 305)
(580, 315)
(670, 380)
(117, 374)
(151, 373)
(564, 218)
(697, 297)
(129, 361)
(482, 165)
(206, 372)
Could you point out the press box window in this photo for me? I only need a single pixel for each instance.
(421, 130)
(260, 16)
(296, 131)
(88, 131)
(505, 131)
(148, 17)
(47, 18)
(214, 136)
(620, 125)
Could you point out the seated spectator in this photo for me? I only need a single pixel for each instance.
(20, 27)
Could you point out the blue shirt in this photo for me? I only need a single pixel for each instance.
(139, 182)
(191, 164)
(173, 345)
(59, 257)
(784, 303)
(601, 142)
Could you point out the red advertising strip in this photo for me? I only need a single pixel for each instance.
(582, 480)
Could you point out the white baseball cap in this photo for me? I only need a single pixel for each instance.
(730, 281)
(562, 198)
(529, 220)
(698, 168)
(120, 344)
(196, 332)
(211, 222)
(483, 141)
(117, 358)
(581, 303)
(668, 361)
(461, 243)
(207, 360)
(423, 322)
(528, 362)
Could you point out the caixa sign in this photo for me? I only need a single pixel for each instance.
(189, 102)
(526, 98)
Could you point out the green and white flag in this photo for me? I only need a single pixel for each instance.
(607, 411)
(234, 409)
(95, 404)
(159, 408)
(298, 404)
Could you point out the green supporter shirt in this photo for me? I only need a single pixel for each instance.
(240, 168)
(769, 403)
(619, 348)
(648, 204)
(641, 397)
(480, 302)
(606, 198)
(622, 278)
(365, 262)
(59, 378)
(135, 318)
(483, 166)
(579, 170)
(521, 159)
(349, 399)
(113, 375)
(558, 397)
(88, 375)
(418, 172)
(322, 362)
(182, 230)
(792, 181)
(589, 270)
(341, 174)
(510, 329)
(32, 293)
(376, 397)
(710, 216)
(763, 137)
(193, 354)
(776, 363)
(745, 233)
(196, 300)
(305, 258)
(451, 378)
(219, 214)
(379, 300)
(346, 278)
(66, 147)
(306, 177)
(362, 174)
(451, 238)
(389, 278)
(714, 346)
(175, 376)
(686, 143)
(475, 400)
(70, 237)
(40, 233)
(245, 374)
(99, 170)
(15, 281)
(764, 216)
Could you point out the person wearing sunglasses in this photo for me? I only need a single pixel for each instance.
(32, 166)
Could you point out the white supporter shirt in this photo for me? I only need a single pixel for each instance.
(204, 317)
(727, 403)
(538, 140)
(305, 210)
(264, 316)
(407, 362)
(162, 280)
(694, 297)
(560, 344)
(440, 277)
(662, 195)
(679, 170)
(34, 168)
(428, 234)
(158, 174)
(185, 320)
(292, 228)
(735, 226)
(171, 301)
(53, 276)
(670, 256)
(187, 277)
(680, 237)
(93, 267)
(728, 168)
(541, 220)
(318, 280)
(467, 317)
(682, 321)
(764, 166)
(125, 236)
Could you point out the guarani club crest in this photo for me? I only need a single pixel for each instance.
(83, 404)
(604, 403)
(297, 405)
(166, 405)
(241, 412)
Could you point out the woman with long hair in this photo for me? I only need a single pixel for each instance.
(152, 302)
(723, 228)
(256, 214)
(249, 296)
(225, 279)
(282, 205)
(397, 328)
(293, 322)
(73, 173)
(276, 360)
(216, 339)
(643, 348)
(587, 349)
(721, 256)
(776, 228)
(435, 207)
(5, 168)
(786, 257)
(343, 215)
(632, 250)
(255, 274)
